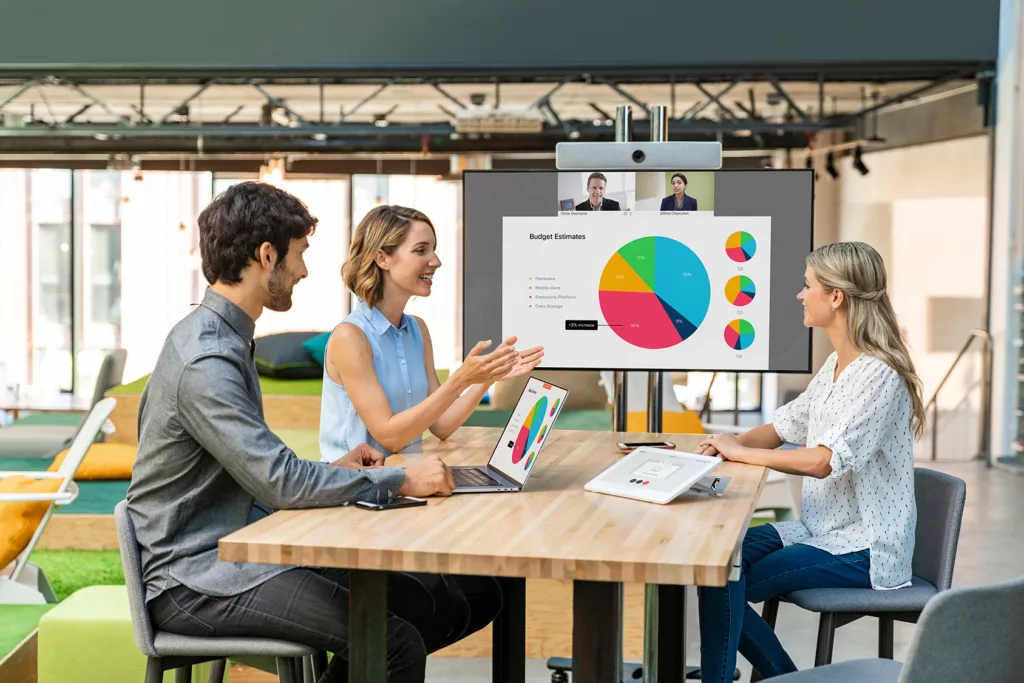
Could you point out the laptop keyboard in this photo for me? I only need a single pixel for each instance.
(473, 478)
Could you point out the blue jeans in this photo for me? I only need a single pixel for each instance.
(728, 623)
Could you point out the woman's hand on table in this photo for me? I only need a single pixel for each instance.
(726, 446)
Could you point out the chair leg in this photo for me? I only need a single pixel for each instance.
(826, 637)
(770, 612)
(319, 661)
(885, 637)
(285, 670)
(154, 670)
(217, 669)
(183, 674)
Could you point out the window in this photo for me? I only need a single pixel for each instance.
(53, 259)
(105, 274)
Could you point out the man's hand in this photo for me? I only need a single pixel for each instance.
(360, 457)
(429, 477)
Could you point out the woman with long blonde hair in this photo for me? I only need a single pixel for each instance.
(855, 426)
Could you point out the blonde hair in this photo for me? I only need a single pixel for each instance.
(857, 270)
(383, 229)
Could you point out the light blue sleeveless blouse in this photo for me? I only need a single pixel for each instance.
(399, 363)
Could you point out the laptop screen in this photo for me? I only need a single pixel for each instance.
(525, 434)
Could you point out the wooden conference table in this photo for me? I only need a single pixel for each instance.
(552, 529)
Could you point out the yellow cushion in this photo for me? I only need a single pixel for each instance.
(102, 461)
(18, 521)
(686, 422)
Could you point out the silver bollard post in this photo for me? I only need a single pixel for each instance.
(620, 407)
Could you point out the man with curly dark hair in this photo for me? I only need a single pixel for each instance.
(208, 465)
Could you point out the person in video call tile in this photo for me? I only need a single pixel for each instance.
(597, 201)
(854, 428)
(679, 200)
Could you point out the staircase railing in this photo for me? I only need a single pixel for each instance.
(986, 393)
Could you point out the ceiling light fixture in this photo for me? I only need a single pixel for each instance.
(272, 172)
(858, 162)
(830, 165)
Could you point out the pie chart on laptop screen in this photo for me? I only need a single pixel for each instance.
(529, 431)
(654, 292)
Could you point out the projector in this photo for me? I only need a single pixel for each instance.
(498, 121)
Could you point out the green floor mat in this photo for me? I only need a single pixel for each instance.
(268, 385)
(16, 622)
(94, 497)
(51, 419)
(69, 570)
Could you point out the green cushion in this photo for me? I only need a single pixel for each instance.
(88, 637)
(317, 347)
(283, 356)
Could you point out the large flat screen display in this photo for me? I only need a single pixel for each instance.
(654, 270)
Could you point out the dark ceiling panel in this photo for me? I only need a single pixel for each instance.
(473, 36)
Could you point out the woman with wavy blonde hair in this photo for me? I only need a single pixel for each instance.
(855, 427)
(380, 388)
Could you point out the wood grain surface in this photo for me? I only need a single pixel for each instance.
(553, 529)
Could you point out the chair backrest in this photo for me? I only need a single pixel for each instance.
(940, 508)
(131, 560)
(110, 375)
(84, 439)
(969, 634)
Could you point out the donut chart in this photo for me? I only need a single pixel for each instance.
(741, 246)
(654, 292)
(740, 290)
(529, 431)
(739, 334)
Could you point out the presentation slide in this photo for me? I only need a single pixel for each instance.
(524, 435)
(647, 291)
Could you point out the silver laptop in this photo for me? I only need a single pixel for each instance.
(519, 446)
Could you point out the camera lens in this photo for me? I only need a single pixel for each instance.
(638, 155)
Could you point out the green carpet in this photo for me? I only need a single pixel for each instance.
(51, 419)
(69, 570)
(16, 622)
(268, 385)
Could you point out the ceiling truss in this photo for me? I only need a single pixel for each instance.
(60, 114)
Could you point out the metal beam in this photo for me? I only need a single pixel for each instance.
(844, 119)
(617, 88)
(716, 100)
(604, 115)
(546, 97)
(280, 104)
(451, 98)
(359, 105)
(789, 100)
(712, 98)
(102, 105)
(188, 100)
(81, 110)
(18, 92)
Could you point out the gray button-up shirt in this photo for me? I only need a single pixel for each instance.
(206, 457)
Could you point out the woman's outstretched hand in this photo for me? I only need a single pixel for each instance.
(486, 368)
(527, 361)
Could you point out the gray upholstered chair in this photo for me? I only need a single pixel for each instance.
(964, 634)
(166, 651)
(44, 436)
(940, 507)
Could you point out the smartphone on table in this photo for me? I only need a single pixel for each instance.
(393, 503)
(628, 446)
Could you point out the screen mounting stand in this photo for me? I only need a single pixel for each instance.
(659, 615)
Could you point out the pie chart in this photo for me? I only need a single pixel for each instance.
(741, 247)
(739, 334)
(740, 290)
(529, 430)
(654, 292)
